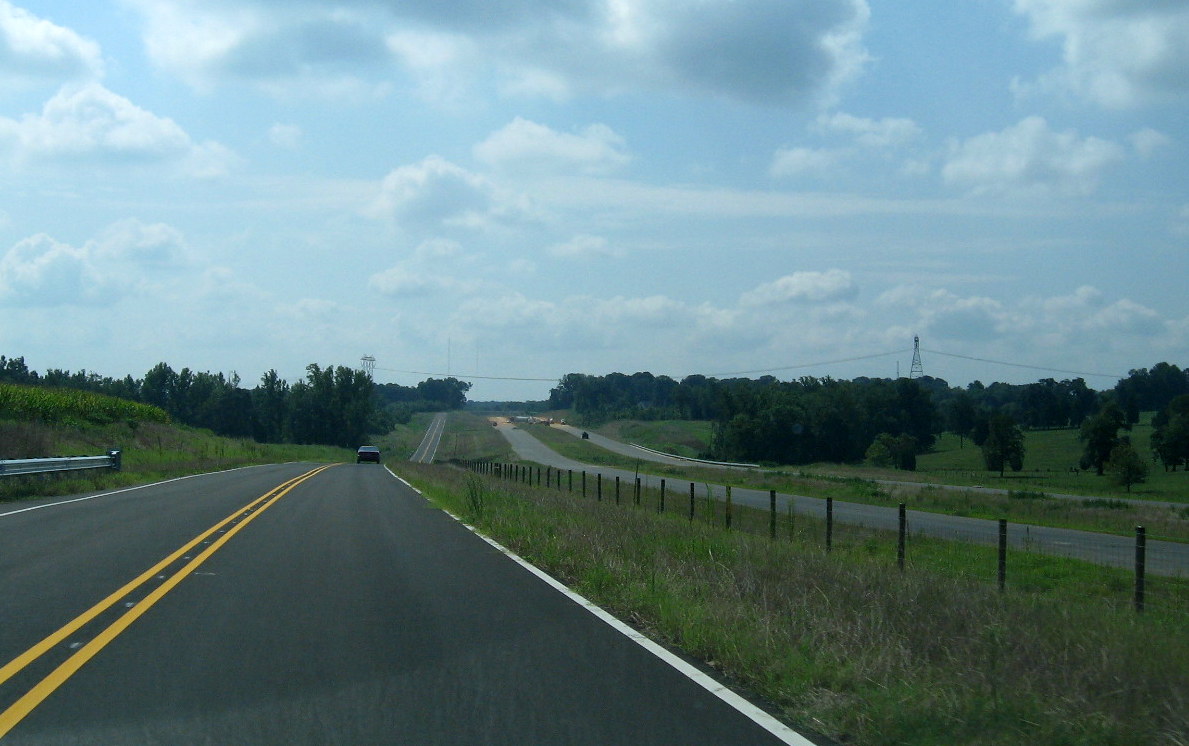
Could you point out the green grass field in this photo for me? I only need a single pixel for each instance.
(151, 451)
(1025, 502)
(846, 644)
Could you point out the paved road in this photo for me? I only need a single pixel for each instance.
(429, 444)
(288, 604)
(1162, 557)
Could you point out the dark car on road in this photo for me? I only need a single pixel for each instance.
(367, 453)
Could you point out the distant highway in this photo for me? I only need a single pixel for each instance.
(1163, 557)
(314, 604)
(428, 449)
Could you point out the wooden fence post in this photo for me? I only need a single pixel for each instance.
(829, 524)
(900, 542)
(771, 514)
(1141, 543)
(1002, 554)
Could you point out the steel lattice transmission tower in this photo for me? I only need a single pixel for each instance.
(917, 370)
(367, 364)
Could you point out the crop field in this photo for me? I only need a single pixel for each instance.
(71, 407)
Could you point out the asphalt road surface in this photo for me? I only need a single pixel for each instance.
(295, 604)
(1161, 558)
(429, 443)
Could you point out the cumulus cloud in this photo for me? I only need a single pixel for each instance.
(40, 271)
(1087, 312)
(584, 246)
(530, 147)
(34, 50)
(1116, 54)
(584, 322)
(759, 50)
(433, 192)
(1076, 323)
(323, 49)
(799, 161)
(429, 269)
(832, 286)
(286, 136)
(90, 123)
(1148, 141)
(437, 194)
(870, 133)
(1029, 158)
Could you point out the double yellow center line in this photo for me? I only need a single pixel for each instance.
(35, 696)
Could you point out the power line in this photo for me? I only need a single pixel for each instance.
(1029, 367)
(782, 368)
(462, 376)
(809, 365)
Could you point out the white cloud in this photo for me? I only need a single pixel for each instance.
(126, 256)
(804, 287)
(1147, 141)
(1117, 54)
(90, 123)
(427, 271)
(760, 50)
(286, 136)
(581, 323)
(40, 271)
(404, 281)
(34, 49)
(433, 192)
(436, 194)
(288, 47)
(524, 146)
(789, 162)
(1078, 325)
(1029, 158)
(152, 246)
(584, 246)
(1087, 313)
(870, 133)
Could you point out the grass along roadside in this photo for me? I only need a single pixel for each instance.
(1025, 506)
(151, 451)
(843, 642)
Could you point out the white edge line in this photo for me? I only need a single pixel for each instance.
(120, 491)
(699, 677)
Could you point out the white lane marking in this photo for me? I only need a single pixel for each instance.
(747, 709)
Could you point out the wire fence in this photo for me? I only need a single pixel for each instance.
(1149, 572)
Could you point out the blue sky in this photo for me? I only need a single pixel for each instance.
(524, 189)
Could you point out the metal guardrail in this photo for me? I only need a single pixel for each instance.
(21, 466)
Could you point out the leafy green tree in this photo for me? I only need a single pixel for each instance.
(1100, 434)
(444, 393)
(898, 452)
(1170, 436)
(1004, 444)
(960, 416)
(269, 405)
(881, 452)
(160, 387)
(1125, 466)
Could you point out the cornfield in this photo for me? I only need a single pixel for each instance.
(71, 406)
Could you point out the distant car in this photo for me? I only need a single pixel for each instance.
(367, 453)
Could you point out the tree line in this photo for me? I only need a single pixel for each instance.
(890, 421)
(334, 405)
